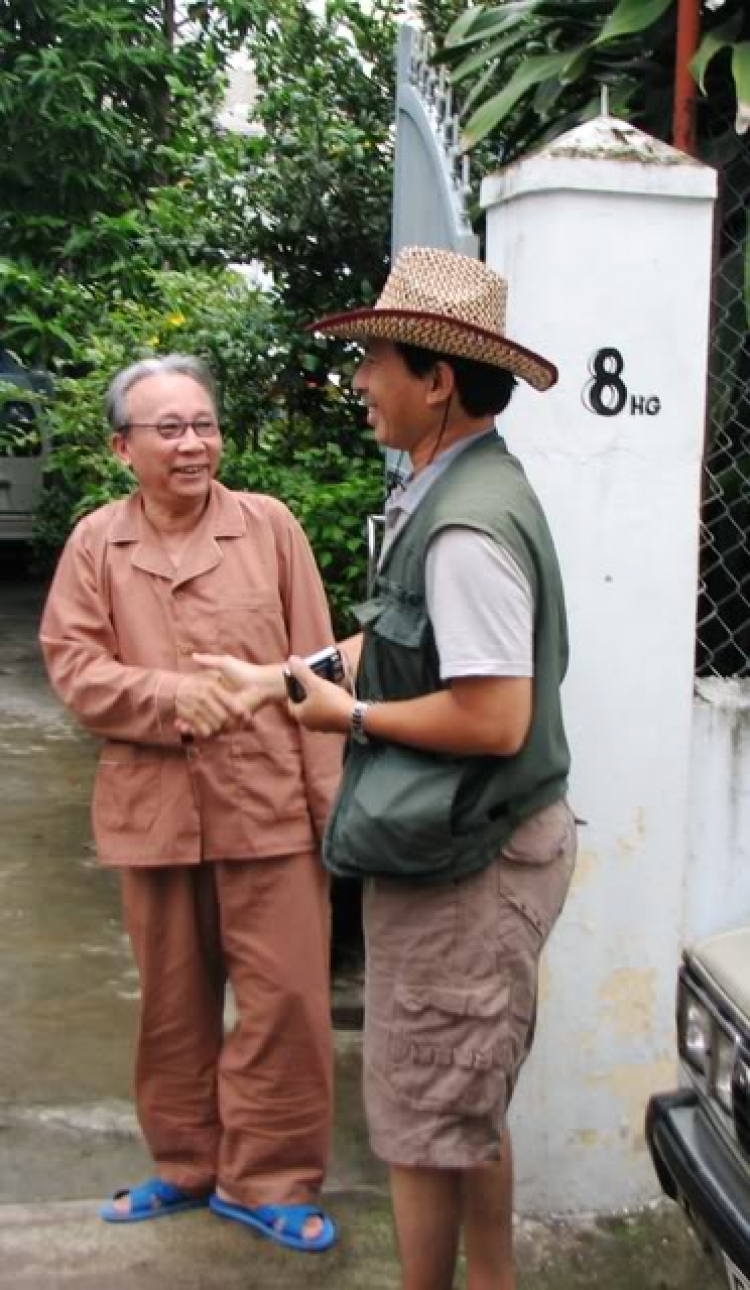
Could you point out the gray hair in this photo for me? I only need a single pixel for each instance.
(116, 401)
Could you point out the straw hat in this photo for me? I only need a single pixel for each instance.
(448, 303)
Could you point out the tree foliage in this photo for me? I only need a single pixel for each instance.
(100, 103)
(527, 70)
(123, 203)
(534, 67)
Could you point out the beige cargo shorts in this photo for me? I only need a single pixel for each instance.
(450, 996)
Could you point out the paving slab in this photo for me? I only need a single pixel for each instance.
(63, 1246)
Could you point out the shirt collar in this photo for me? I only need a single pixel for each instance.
(406, 499)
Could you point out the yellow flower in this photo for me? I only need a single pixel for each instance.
(176, 320)
(153, 342)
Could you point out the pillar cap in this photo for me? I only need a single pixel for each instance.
(605, 154)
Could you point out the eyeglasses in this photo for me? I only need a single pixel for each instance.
(175, 427)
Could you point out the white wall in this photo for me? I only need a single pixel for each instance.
(606, 241)
(717, 877)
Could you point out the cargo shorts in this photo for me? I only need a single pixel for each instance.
(450, 996)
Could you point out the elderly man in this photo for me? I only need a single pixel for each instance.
(216, 841)
(452, 804)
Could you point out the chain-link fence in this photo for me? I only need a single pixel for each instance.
(723, 633)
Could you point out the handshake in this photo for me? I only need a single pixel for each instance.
(228, 692)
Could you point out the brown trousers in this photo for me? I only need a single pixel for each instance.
(249, 1110)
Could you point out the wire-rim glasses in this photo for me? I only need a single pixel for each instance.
(204, 426)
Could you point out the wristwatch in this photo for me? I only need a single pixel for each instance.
(357, 723)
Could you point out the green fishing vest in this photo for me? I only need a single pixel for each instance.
(433, 817)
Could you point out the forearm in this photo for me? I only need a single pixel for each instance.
(351, 648)
(474, 716)
(110, 699)
(441, 722)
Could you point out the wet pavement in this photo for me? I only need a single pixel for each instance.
(68, 1133)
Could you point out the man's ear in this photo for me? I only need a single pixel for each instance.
(442, 382)
(121, 448)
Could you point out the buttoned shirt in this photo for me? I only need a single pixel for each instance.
(118, 633)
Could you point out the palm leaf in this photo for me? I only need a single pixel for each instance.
(632, 16)
(529, 74)
(490, 53)
(741, 74)
(486, 23)
(710, 45)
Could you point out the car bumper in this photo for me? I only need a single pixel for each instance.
(696, 1168)
(15, 526)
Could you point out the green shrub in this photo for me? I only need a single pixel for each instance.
(322, 466)
(331, 497)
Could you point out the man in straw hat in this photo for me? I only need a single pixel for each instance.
(452, 803)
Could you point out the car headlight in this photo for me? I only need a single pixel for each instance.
(693, 1031)
(723, 1068)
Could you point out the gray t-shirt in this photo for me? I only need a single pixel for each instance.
(478, 597)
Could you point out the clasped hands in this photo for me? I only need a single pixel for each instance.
(228, 692)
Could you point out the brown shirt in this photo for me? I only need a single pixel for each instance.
(119, 630)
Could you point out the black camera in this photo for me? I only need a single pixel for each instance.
(327, 663)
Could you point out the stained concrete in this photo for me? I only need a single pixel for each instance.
(68, 1133)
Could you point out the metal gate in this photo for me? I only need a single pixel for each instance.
(431, 187)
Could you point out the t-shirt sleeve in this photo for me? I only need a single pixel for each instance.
(481, 606)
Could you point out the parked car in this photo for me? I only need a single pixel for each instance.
(699, 1135)
(23, 446)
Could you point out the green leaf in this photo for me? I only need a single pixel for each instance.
(631, 16)
(487, 54)
(529, 74)
(487, 23)
(712, 42)
(460, 28)
(741, 74)
(477, 90)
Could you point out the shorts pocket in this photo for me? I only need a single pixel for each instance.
(449, 1047)
(544, 837)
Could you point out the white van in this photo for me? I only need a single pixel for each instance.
(23, 446)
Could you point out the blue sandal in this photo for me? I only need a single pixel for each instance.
(281, 1223)
(152, 1199)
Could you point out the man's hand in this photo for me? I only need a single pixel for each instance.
(258, 683)
(204, 705)
(326, 707)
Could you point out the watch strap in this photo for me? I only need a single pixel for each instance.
(357, 722)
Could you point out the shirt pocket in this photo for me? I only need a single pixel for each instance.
(267, 782)
(250, 627)
(127, 790)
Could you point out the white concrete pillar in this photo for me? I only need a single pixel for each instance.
(605, 237)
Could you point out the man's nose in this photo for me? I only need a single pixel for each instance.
(359, 382)
(189, 440)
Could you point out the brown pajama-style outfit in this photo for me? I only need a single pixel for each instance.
(217, 841)
(251, 1107)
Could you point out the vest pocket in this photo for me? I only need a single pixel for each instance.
(394, 816)
(403, 624)
(450, 1046)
